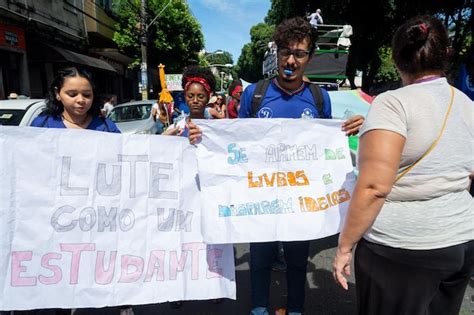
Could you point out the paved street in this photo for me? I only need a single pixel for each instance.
(322, 294)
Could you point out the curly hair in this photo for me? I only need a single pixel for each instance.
(295, 29)
(56, 107)
(199, 72)
(421, 44)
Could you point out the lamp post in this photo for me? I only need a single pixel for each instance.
(144, 42)
(214, 67)
(222, 81)
(221, 74)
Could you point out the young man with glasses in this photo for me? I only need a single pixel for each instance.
(287, 96)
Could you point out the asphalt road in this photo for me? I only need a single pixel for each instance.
(322, 294)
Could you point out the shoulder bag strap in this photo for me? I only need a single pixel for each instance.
(434, 142)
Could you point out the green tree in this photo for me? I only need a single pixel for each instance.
(249, 66)
(387, 71)
(174, 38)
(217, 57)
(374, 22)
(217, 61)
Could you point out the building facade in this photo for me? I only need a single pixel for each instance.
(39, 37)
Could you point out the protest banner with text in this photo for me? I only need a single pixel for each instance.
(273, 179)
(91, 219)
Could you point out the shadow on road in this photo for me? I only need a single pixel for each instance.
(322, 294)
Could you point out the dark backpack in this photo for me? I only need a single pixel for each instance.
(262, 87)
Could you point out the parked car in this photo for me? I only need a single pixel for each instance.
(20, 112)
(134, 117)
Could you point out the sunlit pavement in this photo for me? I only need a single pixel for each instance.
(322, 294)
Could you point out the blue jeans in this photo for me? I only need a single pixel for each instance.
(262, 256)
(159, 127)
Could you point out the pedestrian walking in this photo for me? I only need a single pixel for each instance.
(411, 214)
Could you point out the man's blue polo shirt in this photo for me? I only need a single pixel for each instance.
(276, 103)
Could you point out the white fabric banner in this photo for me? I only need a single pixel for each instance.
(90, 219)
(273, 179)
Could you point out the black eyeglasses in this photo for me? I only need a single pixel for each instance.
(298, 53)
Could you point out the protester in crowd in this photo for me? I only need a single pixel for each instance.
(316, 19)
(344, 41)
(287, 96)
(233, 104)
(71, 104)
(411, 215)
(220, 103)
(216, 108)
(159, 113)
(198, 84)
(180, 102)
(109, 103)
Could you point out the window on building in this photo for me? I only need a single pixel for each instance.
(105, 4)
(71, 5)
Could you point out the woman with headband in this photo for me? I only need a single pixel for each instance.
(235, 91)
(198, 84)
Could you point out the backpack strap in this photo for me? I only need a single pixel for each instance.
(318, 99)
(261, 89)
(258, 96)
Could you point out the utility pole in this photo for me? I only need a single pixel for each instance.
(144, 43)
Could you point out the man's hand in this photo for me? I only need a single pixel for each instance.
(352, 126)
(195, 134)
